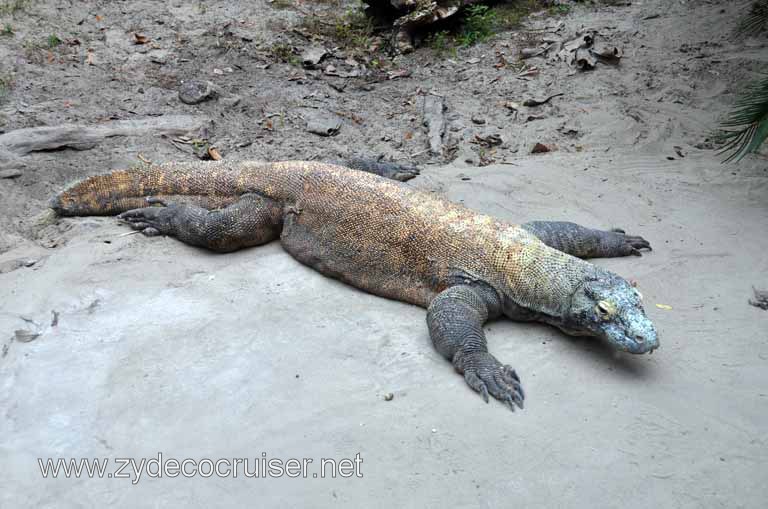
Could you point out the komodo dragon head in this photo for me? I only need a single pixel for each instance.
(608, 307)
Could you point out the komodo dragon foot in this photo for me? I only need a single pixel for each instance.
(251, 221)
(151, 221)
(485, 374)
(386, 169)
(631, 244)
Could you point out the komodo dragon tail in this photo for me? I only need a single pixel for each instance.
(121, 190)
(208, 184)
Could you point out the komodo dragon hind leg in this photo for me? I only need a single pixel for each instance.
(250, 221)
(585, 242)
(384, 169)
(455, 319)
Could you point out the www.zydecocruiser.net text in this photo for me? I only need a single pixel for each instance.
(159, 467)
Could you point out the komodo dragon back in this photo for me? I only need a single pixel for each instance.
(391, 240)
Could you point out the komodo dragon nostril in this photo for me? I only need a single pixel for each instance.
(640, 338)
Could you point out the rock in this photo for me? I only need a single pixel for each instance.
(530, 52)
(25, 336)
(403, 42)
(10, 266)
(760, 300)
(230, 101)
(540, 148)
(196, 91)
(324, 124)
(159, 56)
(312, 56)
(478, 120)
(489, 140)
(10, 173)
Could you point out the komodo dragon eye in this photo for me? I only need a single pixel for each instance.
(605, 308)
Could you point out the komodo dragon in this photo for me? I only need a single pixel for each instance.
(391, 240)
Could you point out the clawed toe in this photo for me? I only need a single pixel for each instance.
(477, 384)
(138, 225)
(637, 243)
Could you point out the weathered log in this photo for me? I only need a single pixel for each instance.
(83, 137)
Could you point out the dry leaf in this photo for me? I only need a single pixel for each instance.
(401, 73)
(89, 58)
(214, 154)
(511, 105)
(139, 38)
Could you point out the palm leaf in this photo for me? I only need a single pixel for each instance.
(746, 127)
(754, 22)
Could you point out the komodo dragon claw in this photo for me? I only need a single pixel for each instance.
(488, 376)
(632, 244)
(150, 221)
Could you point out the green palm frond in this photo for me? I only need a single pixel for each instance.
(754, 22)
(746, 127)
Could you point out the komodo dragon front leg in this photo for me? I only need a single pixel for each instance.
(455, 320)
(583, 242)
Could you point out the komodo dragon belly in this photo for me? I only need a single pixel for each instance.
(389, 240)
(345, 250)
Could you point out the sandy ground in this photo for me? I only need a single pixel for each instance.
(160, 347)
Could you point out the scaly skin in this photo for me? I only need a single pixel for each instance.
(390, 240)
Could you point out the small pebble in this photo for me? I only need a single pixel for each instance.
(194, 91)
